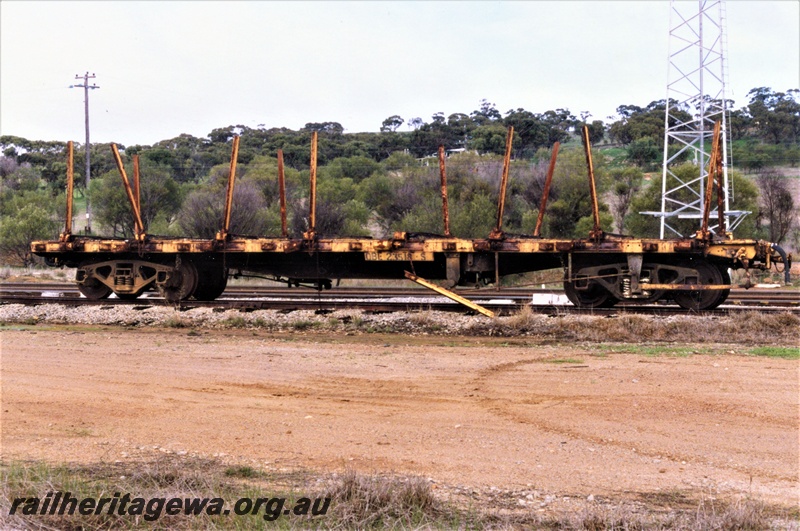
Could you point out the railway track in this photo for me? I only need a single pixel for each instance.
(502, 301)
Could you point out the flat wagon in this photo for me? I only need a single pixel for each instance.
(598, 271)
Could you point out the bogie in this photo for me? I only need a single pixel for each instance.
(603, 285)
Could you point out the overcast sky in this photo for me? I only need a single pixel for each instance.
(166, 68)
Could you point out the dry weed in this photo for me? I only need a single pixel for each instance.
(782, 327)
(360, 501)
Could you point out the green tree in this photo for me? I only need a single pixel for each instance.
(776, 213)
(645, 153)
(636, 122)
(356, 168)
(486, 113)
(25, 217)
(585, 224)
(474, 218)
(570, 198)
(202, 211)
(625, 183)
(159, 196)
(648, 199)
(391, 124)
(398, 160)
(489, 138)
(23, 178)
(559, 122)
(597, 131)
(775, 115)
(533, 133)
(425, 216)
(740, 121)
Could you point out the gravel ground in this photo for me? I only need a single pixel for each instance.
(525, 426)
(749, 329)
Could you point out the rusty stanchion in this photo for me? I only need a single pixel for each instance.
(137, 217)
(597, 232)
(137, 193)
(311, 233)
(546, 192)
(714, 164)
(443, 177)
(70, 185)
(497, 232)
(282, 194)
(226, 218)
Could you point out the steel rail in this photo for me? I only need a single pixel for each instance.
(765, 296)
(502, 301)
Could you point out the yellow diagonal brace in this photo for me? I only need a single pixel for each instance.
(450, 295)
(691, 287)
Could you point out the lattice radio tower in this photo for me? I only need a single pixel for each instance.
(695, 100)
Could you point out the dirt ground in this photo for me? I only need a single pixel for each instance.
(570, 420)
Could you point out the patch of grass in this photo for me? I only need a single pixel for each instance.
(79, 432)
(559, 361)
(616, 156)
(424, 322)
(164, 479)
(260, 322)
(176, 321)
(304, 324)
(356, 501)
(380, 329)
(464, 344)
(657, 350)
(521, 322)
(234, 322)
(31, 325)
(242, 472)
(789, 353)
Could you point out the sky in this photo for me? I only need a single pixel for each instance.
(168, 68)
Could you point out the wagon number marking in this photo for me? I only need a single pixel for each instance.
(398, 256)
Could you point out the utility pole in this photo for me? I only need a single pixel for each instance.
(86, 77)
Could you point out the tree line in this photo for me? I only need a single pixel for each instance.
(375, 183)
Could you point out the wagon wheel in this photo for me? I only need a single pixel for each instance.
(708, 299)
(181, 284)
(94, 289)
(594, 297)
(212, 281)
